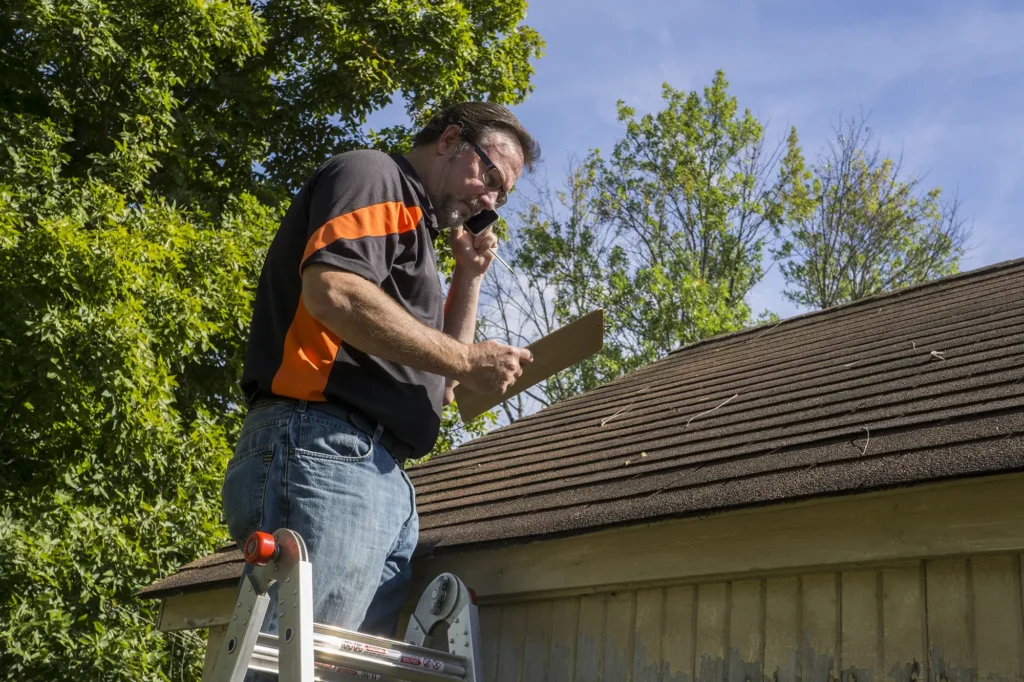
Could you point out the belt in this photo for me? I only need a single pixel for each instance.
(398, 448)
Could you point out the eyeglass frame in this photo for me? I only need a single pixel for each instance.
(502, 194)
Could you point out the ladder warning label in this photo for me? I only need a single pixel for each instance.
(427, 663)
(360, 648)
(354, 647)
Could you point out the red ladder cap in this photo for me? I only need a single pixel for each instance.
(260, 548)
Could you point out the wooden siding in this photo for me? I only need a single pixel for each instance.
(960, 518)
(944, 620)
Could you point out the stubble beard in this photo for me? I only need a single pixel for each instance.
(448, 213)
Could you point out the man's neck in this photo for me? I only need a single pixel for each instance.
(420, 159)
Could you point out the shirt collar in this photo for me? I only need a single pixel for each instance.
(430, 218)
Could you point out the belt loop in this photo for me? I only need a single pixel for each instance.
(302, 406)
(377, 433)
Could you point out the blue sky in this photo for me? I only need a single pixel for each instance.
(943, 82)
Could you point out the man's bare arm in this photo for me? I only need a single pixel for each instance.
(368, 319)
(460, 307)
(460, 315)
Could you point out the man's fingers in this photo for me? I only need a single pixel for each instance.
(525, 356)
(484, 241)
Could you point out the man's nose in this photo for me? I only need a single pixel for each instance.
(489, 199)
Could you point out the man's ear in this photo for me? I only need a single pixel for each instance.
(449, 140)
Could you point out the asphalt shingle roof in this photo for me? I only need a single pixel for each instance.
(922, 384)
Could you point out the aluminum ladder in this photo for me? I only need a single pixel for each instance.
(309, 651)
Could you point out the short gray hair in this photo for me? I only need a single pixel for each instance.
(479, 119)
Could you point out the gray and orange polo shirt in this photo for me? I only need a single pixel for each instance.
(365, 212)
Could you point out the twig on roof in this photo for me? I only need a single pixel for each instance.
(941, 355)
(616, 414)
(852, 363)
(766, 331)
(628, 406)
(711, 410)
(863, 450)
(671, 482)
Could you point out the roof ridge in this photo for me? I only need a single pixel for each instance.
(941, 281)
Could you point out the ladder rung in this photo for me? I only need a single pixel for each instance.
(265, 658)
(447, 659)
(268, 664)
(350, 651)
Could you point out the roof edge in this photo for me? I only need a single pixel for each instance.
(430, 552)
(994, 267)
(154, 591)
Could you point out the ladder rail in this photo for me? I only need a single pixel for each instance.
(372, 665)
(330, 631)
(381, 660)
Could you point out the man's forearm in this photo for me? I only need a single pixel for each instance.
(368, 319)
(460, 307)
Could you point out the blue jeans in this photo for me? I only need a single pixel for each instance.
(296, 467)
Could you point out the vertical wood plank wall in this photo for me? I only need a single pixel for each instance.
(948, 620)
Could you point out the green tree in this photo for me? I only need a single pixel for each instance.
(201, 100)
(147, 149)
(863, 226)
(667, 235)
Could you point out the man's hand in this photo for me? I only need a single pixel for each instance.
(472, 252)
(493, 367)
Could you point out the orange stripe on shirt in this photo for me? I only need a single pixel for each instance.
(309, 352)
(377, 220)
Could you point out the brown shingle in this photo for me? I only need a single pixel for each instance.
(221, 568)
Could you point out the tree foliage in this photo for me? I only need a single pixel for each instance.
(146, 152)
(199, 100)
(667, 235)
(863, 226)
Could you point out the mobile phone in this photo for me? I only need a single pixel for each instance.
(481, 221)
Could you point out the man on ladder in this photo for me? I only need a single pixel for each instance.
(352, 353)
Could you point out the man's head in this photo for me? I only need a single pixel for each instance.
(469, 157)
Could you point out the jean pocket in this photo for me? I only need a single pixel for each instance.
(244, 491)
(327, 437)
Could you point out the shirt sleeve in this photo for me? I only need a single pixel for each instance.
(356, 215)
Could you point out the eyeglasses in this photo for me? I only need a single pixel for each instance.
(493, 179)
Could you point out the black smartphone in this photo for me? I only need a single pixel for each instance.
(481, 221)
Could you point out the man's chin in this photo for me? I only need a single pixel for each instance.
(451, 220)
(451, 214)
